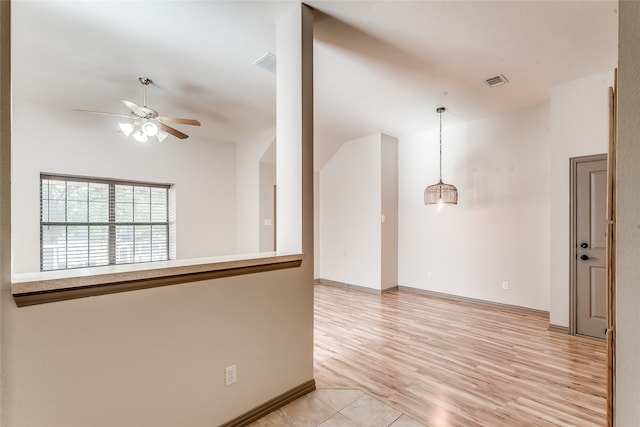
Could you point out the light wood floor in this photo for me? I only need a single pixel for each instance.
(452, 363)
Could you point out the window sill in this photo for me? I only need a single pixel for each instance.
(51, 286)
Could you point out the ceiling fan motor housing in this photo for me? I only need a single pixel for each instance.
(148, 113)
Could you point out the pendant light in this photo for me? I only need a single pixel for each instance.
(441, 194)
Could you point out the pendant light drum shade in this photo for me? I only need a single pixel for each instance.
(441, 193)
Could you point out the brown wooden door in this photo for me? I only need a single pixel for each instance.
(591, 238)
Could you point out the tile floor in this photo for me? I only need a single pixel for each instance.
(337, 408)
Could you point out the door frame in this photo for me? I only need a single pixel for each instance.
(573, 260)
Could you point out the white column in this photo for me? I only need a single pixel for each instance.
(294, 52)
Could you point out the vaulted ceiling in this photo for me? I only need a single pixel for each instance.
(380, 66)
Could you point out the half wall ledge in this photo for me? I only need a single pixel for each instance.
(45, 287)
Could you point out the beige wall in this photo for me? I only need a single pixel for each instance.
(156, 357)
(628, 216)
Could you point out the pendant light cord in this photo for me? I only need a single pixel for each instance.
(440, 145)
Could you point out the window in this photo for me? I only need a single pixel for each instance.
(93, 222)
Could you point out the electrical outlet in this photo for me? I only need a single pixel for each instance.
(428, 275)
(230, 374)
(505, 285)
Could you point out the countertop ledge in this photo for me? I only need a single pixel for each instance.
(38, 288)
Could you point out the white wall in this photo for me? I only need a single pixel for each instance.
(202, 171)
(266, 218)
(579, 127)
(350, 205)
(389, 208)
(499, 231)
(291, 83)
(249, 153)
(628, 223)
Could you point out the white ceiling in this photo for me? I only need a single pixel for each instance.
(380, 66)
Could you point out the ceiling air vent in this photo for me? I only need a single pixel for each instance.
(267, 61)
(496, 80)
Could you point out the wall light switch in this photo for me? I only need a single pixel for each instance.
(230, 375)
(268, 222)
(382, 219)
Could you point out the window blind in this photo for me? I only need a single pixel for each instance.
(93, 222)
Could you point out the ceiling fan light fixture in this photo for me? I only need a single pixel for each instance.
(140, 136)
(145, 122)
(126, 128)
(149, 129)
(161, 135)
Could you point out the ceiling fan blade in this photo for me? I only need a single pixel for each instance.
(103, 112)
(172, 131)
(133, 107)
(191, 122)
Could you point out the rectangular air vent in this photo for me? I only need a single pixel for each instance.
(496, 80)
(267, 61)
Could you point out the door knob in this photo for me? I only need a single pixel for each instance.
(584, 257)
(584, 245)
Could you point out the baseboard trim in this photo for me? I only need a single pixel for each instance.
(271, 405)
(558, 328)
(356, 287)
(516, 308)
(500, 305)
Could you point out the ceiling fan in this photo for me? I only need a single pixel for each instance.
(145, 122)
